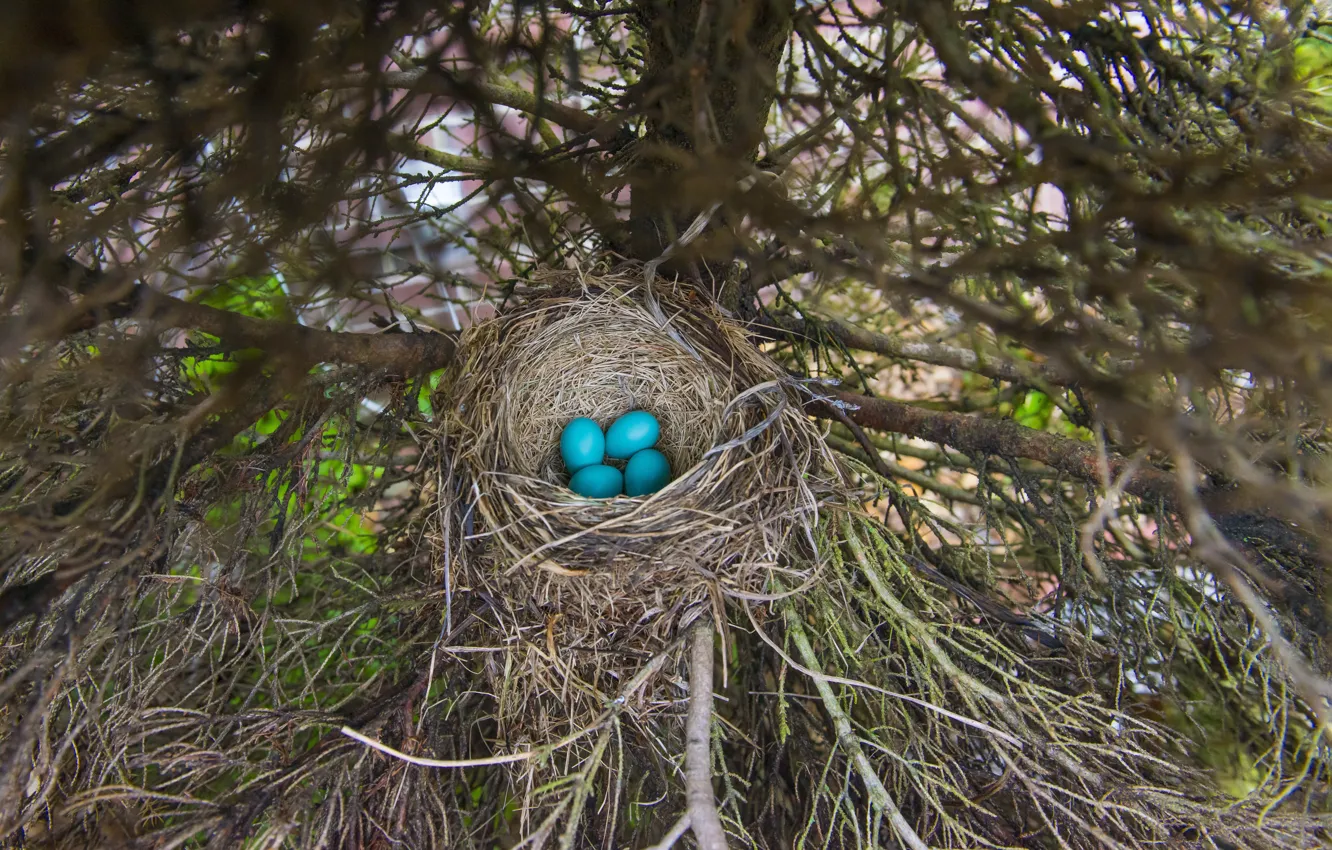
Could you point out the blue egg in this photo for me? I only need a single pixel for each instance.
(597, 482)
(582, 444)
(632, 432)
(646, 473)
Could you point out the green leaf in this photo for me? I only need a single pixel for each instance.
(1034, 411)
(427, 390)
(260, 297)
(205, 374)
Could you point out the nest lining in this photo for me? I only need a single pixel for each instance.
(642, 372)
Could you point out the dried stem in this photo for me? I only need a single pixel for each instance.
(846, 736)
(702, 805)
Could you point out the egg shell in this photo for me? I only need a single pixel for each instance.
(582, 444)
(646, 473)
(632, 432)
(597, 482)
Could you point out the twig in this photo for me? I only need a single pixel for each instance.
(433, 81)
(104, 295)
(846, 736)
(700, 802)
(583, 789)
(674, 834)
(966, 359)
(612, 711)
(488, 761)
(1094, 524)
(413, 149)
(979, 436)
(820, 676)
(401, 353)
(1230, 566)
(896, 472)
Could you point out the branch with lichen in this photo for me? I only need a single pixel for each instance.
(101, 296)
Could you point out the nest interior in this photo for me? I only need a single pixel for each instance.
(641, 368)
(749, 466)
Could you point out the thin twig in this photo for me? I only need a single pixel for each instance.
(820, 676)
(437, 82)
(479, 762)
(995, 366)
(979, 436)
(1113, 487)
(701, 803)
(617, 705)
(1230, 566)
(846, 736)
(102, 295)
(674, 834)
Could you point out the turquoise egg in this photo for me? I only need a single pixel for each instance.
(646, 473)
(597, 482)
(632, 432)
(582, 444)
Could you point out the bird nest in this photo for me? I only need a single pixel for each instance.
(749, 466)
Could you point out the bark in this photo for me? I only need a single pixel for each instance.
(703, 816)
(707, 89)
(1003, 438)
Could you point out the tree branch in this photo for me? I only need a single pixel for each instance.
(401, 353)
(708, 83)
(699, 799)
(673, 835)
(978, 436)
(879, 795)
(412, 149)
(860, 339)
(432, 81)
(101, 296)
(1242, 520)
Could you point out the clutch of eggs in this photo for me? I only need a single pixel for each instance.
(584, 449)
